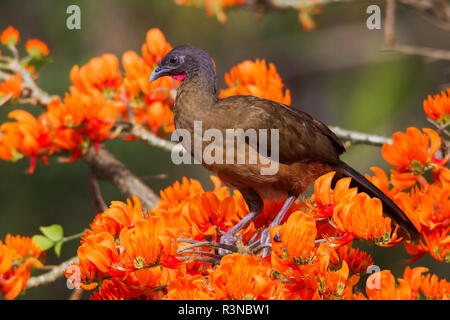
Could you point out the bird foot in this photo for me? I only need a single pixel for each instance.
(265, 241)
(227, 239)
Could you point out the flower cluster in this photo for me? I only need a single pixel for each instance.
(344, 206)
(437, 108)
(166, 254)
(256, 79)
(414, 285)
(17, 256)
(426, 203)
(99, 96)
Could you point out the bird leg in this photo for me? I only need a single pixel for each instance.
(265, 235)
(255, 205)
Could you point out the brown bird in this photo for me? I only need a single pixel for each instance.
(306, 147)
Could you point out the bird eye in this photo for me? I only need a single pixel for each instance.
(173, 60)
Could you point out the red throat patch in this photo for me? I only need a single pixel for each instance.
(180, 77)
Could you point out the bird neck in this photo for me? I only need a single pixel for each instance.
(196, 97)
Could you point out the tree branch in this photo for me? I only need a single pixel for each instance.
(35, 95)
(96, 192)
(389, 37)
(108, 168)
(437, 11)
(51, 276)
(344, 134)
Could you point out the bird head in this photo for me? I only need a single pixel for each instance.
(183, 62)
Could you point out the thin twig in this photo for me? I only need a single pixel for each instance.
(203, 253)
(359, 137)
(155, 141)
(209, 244)
(347, 135)
(5, 99)
(52, 275)
(260, 247)
(40, 97)
(108, 168)
(76, 294)
(159, 176)
(201, 259)
(389, 38)
(96, 192)
(422, 51)
(389, 25)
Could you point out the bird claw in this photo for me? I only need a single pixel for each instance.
(265, 241)
(227, 239)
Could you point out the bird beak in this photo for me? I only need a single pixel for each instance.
(158, 73)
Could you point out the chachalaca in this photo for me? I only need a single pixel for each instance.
(307, 147)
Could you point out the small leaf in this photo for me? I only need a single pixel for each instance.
(58, 248)
(53, 232)
(43, 242)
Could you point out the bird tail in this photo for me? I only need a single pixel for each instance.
(406, 228)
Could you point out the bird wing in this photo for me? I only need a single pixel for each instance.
(301, 137)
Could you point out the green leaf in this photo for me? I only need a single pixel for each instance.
(58, 248)
(53, 232)
(43, 242)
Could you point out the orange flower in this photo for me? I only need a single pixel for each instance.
(189, 211)
(433, 288)
(333, 283)
(37, 48)
(363, 217)
(10, 36)
(86, 116)
(357, 260)
(23, 247)
(243, 277)
(189, 288)
(99, 74)
(354, 214)
(12, 86)
(117, 216)
(429, 211)
(213, 7)
(410, 153)
(137, 73)
(160, 118)
(115, 289)
(17, 255)
(255, 78)
(15, 282)
(438, 107)
(6, 258)
(155, 47)
(29, 136)
(326, 199)
(174, 199)
(150, 102)
(381, 181)
(146, 244)
(297, 235)
(97, 254)
(381, 286)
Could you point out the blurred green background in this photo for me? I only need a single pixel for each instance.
(338, 73)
